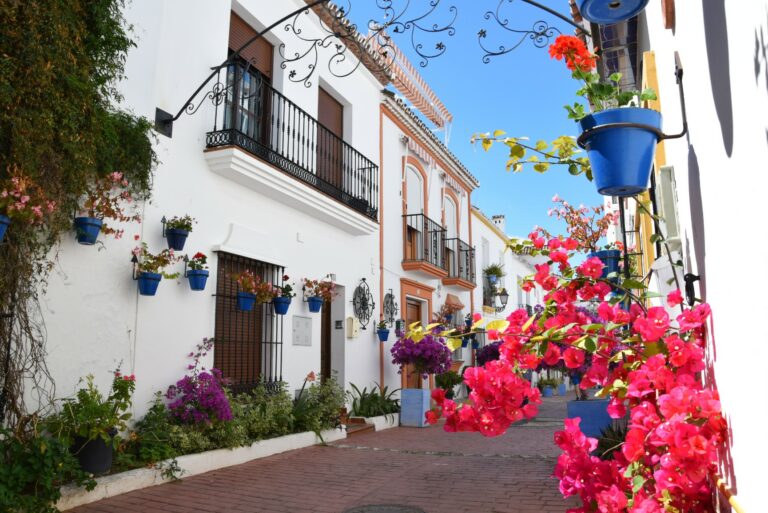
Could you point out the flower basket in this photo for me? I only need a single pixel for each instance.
(87, 229)
(610, 259)
(94, 456)
(593, 414)
(315, 303)
(383, 334)
(547, 392)
(176, 238)
(197, 278)
(4, 222)
(562, 389)
(148, 283)
(281, 304)
(608, 12)
(414, 404)
(621, 157)
(245, 301)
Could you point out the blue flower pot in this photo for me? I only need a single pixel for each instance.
(87, 229)
(561, 389)
(593, 414)
(492, 279)
(608, 12)
(176, 238)
(315, 303)
(621, 157)
(547, 392)
(465, 341)
(383, 334)
(448, 317)
(610, 259)
(245, 301)
(148, 283)
(475, 345)
(414, 405)
(468, 323)
(281, 304)
(4, 222)
(197, 279)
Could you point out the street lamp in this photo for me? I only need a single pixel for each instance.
(503, 298)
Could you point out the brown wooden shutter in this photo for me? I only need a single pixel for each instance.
(330, 149)
(258, 53)
(330, 113)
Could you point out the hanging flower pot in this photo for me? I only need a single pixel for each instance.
(4, 222)
(148, 283)
(607, 12)
(448, 317)
(610, 259)
(621, 157)
(315, 303)
(176, 238)
(245, 301)
(197, 278)
(492, 279)
(475, 344)
(383, 334)
(87, 229)
(465, 341)
(281, 304)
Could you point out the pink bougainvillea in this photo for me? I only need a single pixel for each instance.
(646, 361)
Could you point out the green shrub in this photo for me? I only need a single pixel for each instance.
(266, 414)
(374, 403)
(32, 470)
(318, 407)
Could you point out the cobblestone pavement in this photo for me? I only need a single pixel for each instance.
(425, 468)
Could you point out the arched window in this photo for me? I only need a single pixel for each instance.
(415, 190)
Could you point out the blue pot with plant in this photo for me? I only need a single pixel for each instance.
(608, 12)
(197, 274)
(148, 283)
(448, 318)
(547, 391)
(245, 301)
(177, 229)
(610, 259)
(4, 222)
(318, 292)
(593, 414)
(149, 267)
(465, 341)
(315, 303)
(282, 300)
(382, 331)
(87, 230)
(281, 304)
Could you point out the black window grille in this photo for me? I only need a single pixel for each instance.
(249, 345)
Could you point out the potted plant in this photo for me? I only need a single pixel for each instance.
(382, 331)
(177, 230)
(547, 386)
(282, 300)
(89, 423)
(445, 315)
(105, 198)
(149, 268)
(561, 388)
(447, 381)
(197, 274)
(253, 289)
(620, 156)
(608, 12)
(424, 352)
(318, 292)
(494, 273)
(21, 200)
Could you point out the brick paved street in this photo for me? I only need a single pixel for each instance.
(426, 468)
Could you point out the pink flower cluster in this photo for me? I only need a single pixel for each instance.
(107, 198)
(646, 362)
(22, 200)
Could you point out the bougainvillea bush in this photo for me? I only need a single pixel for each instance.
(426, 351)
(645, 360)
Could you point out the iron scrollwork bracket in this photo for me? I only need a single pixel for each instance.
(390, 308)
(362, 302)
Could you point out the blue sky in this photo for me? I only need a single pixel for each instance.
(522, 93)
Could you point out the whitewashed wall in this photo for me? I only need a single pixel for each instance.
(721, 183)
(93, 313)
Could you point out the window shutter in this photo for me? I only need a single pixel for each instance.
(666, 199)
(258, 53)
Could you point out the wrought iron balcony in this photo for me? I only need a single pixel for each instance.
(424, 245)
(460, 263)
(268, 125)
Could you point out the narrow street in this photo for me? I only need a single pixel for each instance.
(420, 468)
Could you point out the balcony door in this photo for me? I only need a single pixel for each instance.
(414, 204)
(412, 314)
(330, 140)
(451, 234)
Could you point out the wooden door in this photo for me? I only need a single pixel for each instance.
(330, 148)
(325, 340)
(412, 314)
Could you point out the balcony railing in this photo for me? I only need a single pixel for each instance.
(460, 260)
(263, 122)
(424, 240)
(527, 308)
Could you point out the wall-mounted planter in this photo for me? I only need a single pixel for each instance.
(593, 414)
(148, 283)
(492, 279)
(87, 230)
(383, 334)
(465, 341)
(607, 12)
(621, 156)
(315, 303)
(414, 405)
(176, 238)
(245, 301)
(448, 318)
(4, 222)
(610, 259)
(197, 278)
(547, 392)
(281, 304)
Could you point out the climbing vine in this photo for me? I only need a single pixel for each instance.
(61, 130)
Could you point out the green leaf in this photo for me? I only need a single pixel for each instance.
(632, 284)
(590, 344)
(615, 77)
(574, 169)
(541, 167)
(498, 133)
(517, 151)
(541, 145)
(637, 483)
(487, 143)
(648, 94)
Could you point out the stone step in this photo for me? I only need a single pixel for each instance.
(357, 429)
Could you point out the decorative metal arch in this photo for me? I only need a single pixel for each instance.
(362, 302)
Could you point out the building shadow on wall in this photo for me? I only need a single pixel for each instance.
(716, 36)
(697, 221)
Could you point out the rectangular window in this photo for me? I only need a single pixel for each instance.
(249, 345)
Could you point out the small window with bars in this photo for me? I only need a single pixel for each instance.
(249, 344)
